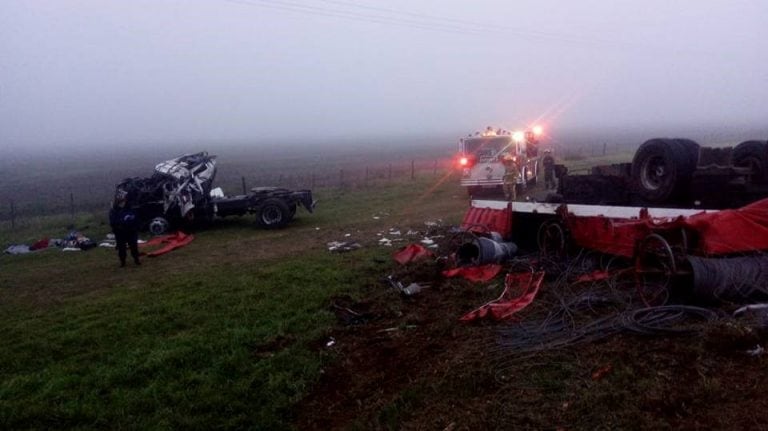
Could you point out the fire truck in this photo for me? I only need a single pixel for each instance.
(481, 159)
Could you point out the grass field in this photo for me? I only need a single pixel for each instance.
(217, 334)
(246, 329)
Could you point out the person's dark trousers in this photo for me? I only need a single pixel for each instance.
(131, 240)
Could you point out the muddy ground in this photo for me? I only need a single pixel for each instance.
(406, 362)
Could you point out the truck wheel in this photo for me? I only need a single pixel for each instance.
(661, 169)
(273, 213)
(159, 226)
(691, 150)
(753, 154)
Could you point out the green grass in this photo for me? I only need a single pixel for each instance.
(227, 332)
(181, 351)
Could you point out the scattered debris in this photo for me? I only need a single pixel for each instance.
(170, 242)
(16, 249)
(412, 253)
(474, 273)
(519, 291)
(602, 372)
(343, 246)
(409, 290)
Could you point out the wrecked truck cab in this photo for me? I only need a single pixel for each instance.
(180, 194)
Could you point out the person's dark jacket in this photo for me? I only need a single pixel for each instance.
(123, 220)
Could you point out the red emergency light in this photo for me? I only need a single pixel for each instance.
(465, 161)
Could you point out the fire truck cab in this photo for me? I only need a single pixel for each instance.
(481, 159)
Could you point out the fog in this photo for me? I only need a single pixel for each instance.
(164, 75)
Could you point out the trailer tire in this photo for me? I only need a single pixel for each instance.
(273, 213)
(691, 149)
(753, 154)
(661, 170)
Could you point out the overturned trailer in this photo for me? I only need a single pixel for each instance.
(669, 214)
(180, 193)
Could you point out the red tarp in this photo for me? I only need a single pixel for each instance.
(410, 253)
(723, 232)
(172, 242)
(39, 245)
(519, 291)
(474, 273)
(484, 220)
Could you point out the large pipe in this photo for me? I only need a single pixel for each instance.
(483, 251)
(731, 278)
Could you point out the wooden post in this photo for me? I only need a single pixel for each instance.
(243, 180)
(13, 215)
(413, 169)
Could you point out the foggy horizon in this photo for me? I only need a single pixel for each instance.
(87, 75)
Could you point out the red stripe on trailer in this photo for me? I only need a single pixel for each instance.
(488, 220)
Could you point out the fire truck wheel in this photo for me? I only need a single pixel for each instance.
(272, 214)
(753, 154)
(661, 170)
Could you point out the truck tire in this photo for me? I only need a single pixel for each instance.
(159, 226)
(753, 154)
(691, 149)
(661, 170)
(273, 213)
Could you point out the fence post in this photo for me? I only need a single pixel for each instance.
(243, 180)
(13, 215)
(413, 169)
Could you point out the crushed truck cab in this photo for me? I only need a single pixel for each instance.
(180, 193)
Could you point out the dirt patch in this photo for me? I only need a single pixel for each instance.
(413, 365)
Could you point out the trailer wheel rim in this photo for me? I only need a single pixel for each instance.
(655, 267)
(271, 215)
(653, 172)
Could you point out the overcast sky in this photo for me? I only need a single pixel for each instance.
(154, 72)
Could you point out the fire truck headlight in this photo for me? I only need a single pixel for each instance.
(518, 136)
(463, 161)
(537, 130)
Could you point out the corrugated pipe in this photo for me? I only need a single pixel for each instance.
(731, 278)
(483, 251)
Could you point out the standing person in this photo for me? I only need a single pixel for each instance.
(124, 225)
(549, 170)
(511, 173)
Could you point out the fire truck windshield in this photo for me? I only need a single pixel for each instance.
(486, 146)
